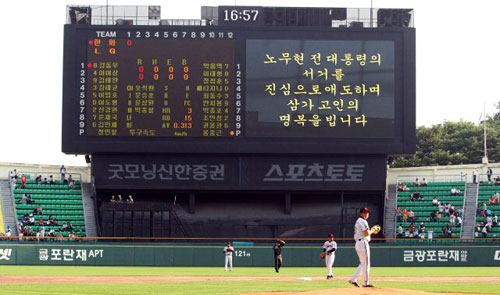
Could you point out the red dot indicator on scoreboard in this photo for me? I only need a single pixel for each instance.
(232, 133)
(129, 42)
(90, 65)
(91, 42)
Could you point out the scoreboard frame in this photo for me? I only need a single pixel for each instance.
(403, 142)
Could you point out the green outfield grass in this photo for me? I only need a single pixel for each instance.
(237, 287)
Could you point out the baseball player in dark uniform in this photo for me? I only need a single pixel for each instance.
(278, 259)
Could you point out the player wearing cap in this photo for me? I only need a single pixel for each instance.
(329, 248)
(278, 258)
(362, 234)
(228, 251)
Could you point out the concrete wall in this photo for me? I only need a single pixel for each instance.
(432, 173)
(440, 173)
(5, 169)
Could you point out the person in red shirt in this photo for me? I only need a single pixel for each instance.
(24, 181)
(405, 215)
(41, 221)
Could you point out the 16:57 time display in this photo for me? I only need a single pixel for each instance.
(245, 14)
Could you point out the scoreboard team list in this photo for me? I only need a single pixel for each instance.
(177, 89)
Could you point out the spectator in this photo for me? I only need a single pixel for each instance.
(484, 231)
(39, 210)
(11, 176)
(497, 180)
(402, 187)
(8, 233)
(24, 181)
(45, 181)
(130, 200)
(434, 216)
(16, 176)
(52, 233)
(120, 199)
(398, 213)
(405, 215)
(424, 182)
(435, 201)
(448, 231)
(407, 233)
(51, 180)
(60, 236)
(489, 172)
(452, 220)
(477, 230)
(71, 182)
(453, 191)
(474, 175)
(416, 196)
(50, 221)
(29, 199)
(422, 235)
(493, 199)
(400, 231)
(113, 199)
(479, 210)
(494, 220)
(489, 221)
(38, 179)
(412, 227)
(24, 200)
(42, 232)
(70, 226)
(444, 231)
(41, 221)
(37, 235)
(55, 222)
(416, 233)
(458, 192)
(430, 234)
(64, 226)
(63, 173)
(411, 215)
(31, 219)
(422, 226)
(416, 183)
(459, 221)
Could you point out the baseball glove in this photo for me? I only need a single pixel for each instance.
(376, 229)
(322, 255)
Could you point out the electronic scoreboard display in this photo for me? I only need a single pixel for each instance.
(239, 90)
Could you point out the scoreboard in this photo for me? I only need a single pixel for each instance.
(238, 90)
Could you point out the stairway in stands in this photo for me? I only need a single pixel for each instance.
(390, 213)
(470, 206)
(8, 208)
(88, 196)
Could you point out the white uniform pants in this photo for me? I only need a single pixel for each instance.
(363, 251)
(228, 261)
(329, 260)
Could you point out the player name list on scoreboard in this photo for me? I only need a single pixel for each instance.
(164, 88)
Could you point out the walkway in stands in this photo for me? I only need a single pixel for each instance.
(8, 209)
(470, 206)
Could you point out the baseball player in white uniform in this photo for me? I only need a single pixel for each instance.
(362, 234)
(329, 248)
(228, 251)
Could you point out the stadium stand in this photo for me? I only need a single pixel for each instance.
(488, 211)
(428, 213)
(58, 200)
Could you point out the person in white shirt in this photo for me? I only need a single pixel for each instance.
(228, 260)
(329, 248)
(430, 234)
(362, 236)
